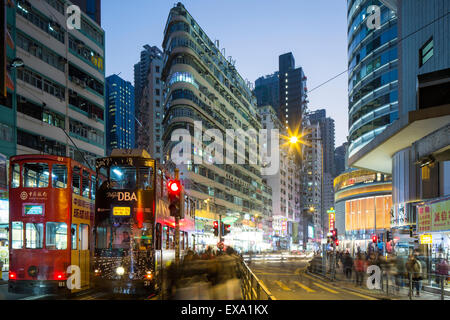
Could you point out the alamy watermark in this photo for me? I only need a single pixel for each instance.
(73, 17)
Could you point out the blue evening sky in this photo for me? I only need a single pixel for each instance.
(253, 32)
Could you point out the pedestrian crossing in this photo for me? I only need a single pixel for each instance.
(305, 284)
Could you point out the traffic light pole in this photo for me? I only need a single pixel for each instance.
(220, 228)
(177, 228)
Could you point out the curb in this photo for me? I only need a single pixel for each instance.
(351, 289)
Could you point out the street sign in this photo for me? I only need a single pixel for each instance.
(426, 239)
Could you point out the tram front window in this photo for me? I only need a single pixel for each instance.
(123, 177)
(120, 237)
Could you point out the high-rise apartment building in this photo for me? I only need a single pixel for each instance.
(60, 89)
(267, 91)
(373, 72)
(311, 189)
(149, 100)
(327, 136)
(285, 185)
(120, 114)
(202, 85)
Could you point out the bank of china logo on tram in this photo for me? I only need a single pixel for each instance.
(23, 195)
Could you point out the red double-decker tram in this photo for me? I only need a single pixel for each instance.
(51, 214)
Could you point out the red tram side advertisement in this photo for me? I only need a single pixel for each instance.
(51, 215)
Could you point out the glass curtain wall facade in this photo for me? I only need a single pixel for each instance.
(201, 85)
(120, 118)
(373, 76)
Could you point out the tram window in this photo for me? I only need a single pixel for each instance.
(17, 235)
(85, 184)
(165, 237)
(15, 181)
(145, 177)
(93, 178)
(34, 235)
(76, 183)
(74, 236)
(158, 237)
(123, 177)
(182, 240)
(84, 237)
(35, 175)
(171, 238)
(59, 176)
(56, 236)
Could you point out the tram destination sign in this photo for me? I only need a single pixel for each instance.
(121, 211)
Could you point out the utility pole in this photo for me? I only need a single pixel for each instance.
(177, 226)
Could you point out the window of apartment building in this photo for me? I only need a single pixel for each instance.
(157, 80)
(157, 69)
(40, 143)
(39, 82)
(426, 52)
(158, 103)
(40, 52)
(157, 92)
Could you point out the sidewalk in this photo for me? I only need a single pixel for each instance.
(393, 294)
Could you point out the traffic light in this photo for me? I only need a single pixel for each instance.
(216, 228)
(225, 229)
(176, 197)
(334, 234)
(337, 242)
(388, 236)
(411, 231)
(374, 238)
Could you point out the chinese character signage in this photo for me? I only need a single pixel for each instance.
(434, 216)
(426, 239)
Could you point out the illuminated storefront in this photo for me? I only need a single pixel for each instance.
(363, 206)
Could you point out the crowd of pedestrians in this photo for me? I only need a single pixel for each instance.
(211, 274)
(399, 269)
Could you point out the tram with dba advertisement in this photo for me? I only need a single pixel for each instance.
(51, 214)
(134, 234)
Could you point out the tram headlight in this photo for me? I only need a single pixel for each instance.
(148, 275)
(97, 272)
(120, 271)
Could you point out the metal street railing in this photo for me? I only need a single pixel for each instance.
(252, 287)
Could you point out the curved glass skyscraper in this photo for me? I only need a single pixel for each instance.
(373, 78)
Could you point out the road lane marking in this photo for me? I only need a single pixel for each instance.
(304, 287)
(325, 288)
(282, 286)
(359, 295)
(274, 274)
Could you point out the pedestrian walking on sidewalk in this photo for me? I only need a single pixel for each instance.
(348, 265)
(442, 271)
(360, 268)
(414, 268)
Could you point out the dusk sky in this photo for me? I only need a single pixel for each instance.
(254, 33)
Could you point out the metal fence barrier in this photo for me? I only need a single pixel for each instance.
(392, 284)
(252, 288)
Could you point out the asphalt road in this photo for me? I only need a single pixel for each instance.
(287, 280)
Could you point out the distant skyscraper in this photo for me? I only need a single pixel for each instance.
(267, 91)
(149, 101)
(340, 159)
(327, 136)
(93, 8)
(292, 84)
(142, 68)
(120, 114)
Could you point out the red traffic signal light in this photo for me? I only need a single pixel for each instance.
(374, 239)
(174, 186)
(333, 233)
(216, 228)
(337, 242)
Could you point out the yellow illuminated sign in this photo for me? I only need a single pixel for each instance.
(426, 239)
(121, 211)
